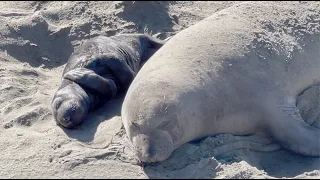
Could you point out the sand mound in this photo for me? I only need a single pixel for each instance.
(37, 38)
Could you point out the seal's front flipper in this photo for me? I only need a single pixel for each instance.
(154, 42)
(90, 80)
(288, 127)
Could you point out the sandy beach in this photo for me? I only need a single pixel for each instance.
(36, 40)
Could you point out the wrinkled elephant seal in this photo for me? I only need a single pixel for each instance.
(238, 71)
(99, 70)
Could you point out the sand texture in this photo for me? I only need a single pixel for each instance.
(36, 40)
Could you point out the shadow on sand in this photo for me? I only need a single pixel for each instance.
(148, 16)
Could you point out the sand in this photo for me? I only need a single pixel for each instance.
(36, 40)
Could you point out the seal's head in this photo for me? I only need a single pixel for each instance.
(70, 106)
(152, 124)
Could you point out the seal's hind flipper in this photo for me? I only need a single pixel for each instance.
(90, 80)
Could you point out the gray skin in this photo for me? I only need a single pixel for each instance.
(101, 69)
(216, 77)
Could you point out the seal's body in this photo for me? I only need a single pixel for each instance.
(225, 75)
(100, 69)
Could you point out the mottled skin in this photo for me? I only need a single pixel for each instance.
(230, 74)
(100, 69)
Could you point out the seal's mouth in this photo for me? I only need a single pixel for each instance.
(66, 122)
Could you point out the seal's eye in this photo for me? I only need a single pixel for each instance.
(57, 103)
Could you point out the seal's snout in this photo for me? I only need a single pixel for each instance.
(70, 114)
(153, 147)
(144, 149)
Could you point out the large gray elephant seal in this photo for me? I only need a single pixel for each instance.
(100, 69)
(238, 71)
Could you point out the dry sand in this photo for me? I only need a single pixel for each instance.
(36, 39)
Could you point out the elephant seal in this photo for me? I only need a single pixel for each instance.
(238, 71)
(100, 69)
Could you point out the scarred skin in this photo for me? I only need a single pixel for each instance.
(101, 69)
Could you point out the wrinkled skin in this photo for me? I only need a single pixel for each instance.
(101, 69)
